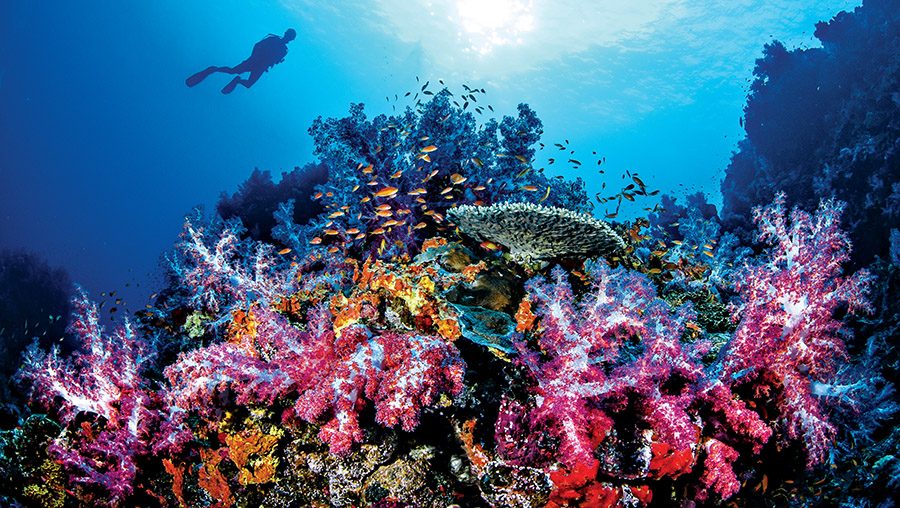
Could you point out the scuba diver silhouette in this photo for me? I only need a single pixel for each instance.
(266, 53)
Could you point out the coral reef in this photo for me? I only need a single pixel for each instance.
(536, 232)
(788, 335)
(103, 401)
(369, 355)
(257, 199)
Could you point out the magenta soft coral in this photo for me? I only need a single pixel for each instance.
(400, 373)
(788, 334)
(103, 384)
(330, 377)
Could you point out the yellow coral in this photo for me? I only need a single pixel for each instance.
(50, 492)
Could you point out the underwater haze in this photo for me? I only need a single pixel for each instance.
(107, 149)
(476, 253)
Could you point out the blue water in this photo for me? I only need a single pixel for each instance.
(103, 149)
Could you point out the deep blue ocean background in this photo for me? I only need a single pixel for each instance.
(104, 149)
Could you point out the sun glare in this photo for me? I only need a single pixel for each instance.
(487, 24)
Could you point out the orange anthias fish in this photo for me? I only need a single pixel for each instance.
(457, 179)
(387, 192)
(428, 149)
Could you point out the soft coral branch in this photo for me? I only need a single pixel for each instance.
(329, 378)
(103, 384)
(581, 365)
(788, 328)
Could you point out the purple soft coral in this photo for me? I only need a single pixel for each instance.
(102, 383)
(581, 345)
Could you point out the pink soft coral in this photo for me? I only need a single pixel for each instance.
(581, 365)
(102, 383)
(787, 329)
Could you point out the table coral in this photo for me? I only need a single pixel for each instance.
(536, 232)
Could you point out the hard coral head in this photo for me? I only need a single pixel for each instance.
(536, 232)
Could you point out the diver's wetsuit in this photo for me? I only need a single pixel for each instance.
(266, 53)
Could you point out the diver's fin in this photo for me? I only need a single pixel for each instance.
(200, 76)
(231, 85)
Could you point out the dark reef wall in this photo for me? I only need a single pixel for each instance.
(258, 197)
(824, 122)
(34, 302)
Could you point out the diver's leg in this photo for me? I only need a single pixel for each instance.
(231, 84)
(195, 79)
(254, 77)
(240, 68)
(250, 81)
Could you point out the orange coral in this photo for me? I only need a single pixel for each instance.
(470, 271)
(524, 317)
(477, 456)
(411, 286)
(243, 445)
(177, 480)
(212, 480)
(351, 310)
(242, 330)
(448, 329)
(433, 242)
(290, 305)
